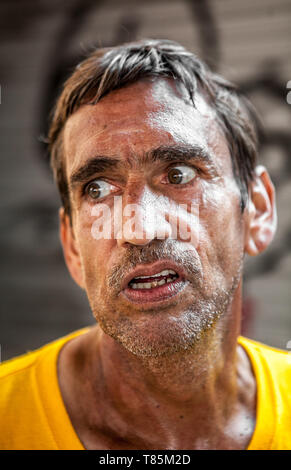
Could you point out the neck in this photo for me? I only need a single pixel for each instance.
(179, 377)
(201, 398)
(195, 390)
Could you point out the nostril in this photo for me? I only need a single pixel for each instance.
(133, 241)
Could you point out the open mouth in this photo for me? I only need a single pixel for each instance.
(153, 281)
(158, 282)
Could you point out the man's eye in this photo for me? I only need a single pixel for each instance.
(181, 174)
(98, 189)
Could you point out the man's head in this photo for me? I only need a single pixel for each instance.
(108, 69)
(150, 123)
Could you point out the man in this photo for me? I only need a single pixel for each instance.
(146, 140)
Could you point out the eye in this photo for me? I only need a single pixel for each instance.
(181, 174)
(98, 188)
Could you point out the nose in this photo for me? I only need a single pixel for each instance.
(143, 218)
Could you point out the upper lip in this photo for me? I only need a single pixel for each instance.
(151, 269)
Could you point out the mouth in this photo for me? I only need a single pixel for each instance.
(157, 282)
(151, 282)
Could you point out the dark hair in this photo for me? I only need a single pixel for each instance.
(105, 70)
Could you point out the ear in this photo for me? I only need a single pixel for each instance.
(70, 248)
(262, 214)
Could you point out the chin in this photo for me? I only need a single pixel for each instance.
(156, 335)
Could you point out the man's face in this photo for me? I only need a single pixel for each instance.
(147, 144)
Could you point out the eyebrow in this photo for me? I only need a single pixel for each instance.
(181, 153)
(166, 154)
(92, 167)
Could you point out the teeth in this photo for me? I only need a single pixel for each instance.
(166, 272)
(148, 285)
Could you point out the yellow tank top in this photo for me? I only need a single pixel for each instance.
(33, 415)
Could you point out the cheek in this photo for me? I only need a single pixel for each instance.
(94, 253)
(221, 237)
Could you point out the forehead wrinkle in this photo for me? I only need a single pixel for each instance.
(76, 126)
(159, 116)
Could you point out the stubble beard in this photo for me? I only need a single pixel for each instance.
(162, 332)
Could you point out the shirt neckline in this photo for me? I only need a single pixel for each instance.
(60, 423)
(263, 434)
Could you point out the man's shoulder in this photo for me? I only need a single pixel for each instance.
(268, 359)
(19, 364)
(23, 364)
(272, 370)
(32, 413)
(264, 349)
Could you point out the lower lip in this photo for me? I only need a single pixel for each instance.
(155, 294)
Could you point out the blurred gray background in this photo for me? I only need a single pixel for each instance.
(249, 42)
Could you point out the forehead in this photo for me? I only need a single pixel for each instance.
(135, 119)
